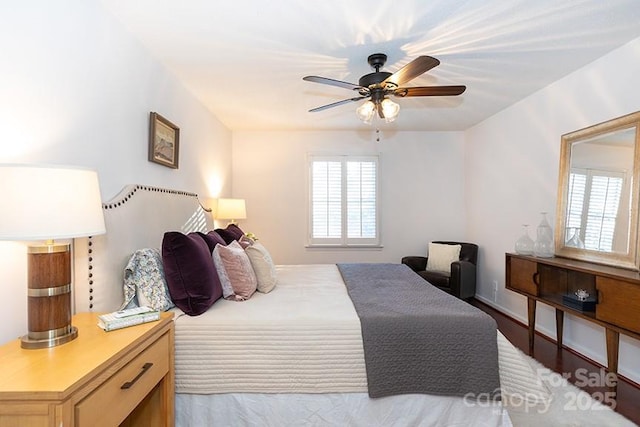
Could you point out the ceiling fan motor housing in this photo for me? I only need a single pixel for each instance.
(373, 79)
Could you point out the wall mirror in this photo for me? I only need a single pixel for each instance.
(598, 193)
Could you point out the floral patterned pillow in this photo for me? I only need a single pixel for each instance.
(144, 282)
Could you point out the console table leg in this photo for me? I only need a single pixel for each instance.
(531, 315)
(559, 327)
(613, 340)
(613, 344)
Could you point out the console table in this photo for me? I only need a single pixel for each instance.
(617, 292)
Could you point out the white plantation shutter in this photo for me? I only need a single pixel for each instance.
(326, 199)
(344, 200)
(577, 186)
(594, 201)
(361, 199)
(603, 210)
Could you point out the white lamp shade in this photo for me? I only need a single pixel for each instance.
(231, 209)
(49, 202)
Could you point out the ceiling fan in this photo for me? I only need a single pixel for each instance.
(377, 86)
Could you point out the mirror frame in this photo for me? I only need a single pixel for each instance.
(627, 260)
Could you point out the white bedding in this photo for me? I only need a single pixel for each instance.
(302, 337)
(295, 357)
(334, 410)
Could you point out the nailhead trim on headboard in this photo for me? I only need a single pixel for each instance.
(115, 204)
(89, 245)
(126, 198)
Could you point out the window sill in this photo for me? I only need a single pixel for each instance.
(342, 247)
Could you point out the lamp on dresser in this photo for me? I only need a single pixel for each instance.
(231, 209)
(41, 203)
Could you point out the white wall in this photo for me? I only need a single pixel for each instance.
(512, 162)
(421, 190)
(77, 89)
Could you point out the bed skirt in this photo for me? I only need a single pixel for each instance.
(334, 409)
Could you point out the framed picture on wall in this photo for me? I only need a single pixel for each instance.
(164, 141)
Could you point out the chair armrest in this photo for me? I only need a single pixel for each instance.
(416, 263)
(463, 279)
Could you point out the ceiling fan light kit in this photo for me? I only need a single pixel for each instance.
(366, 111)
(376, 87)
(389, 109)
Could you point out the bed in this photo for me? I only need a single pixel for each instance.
(301, 362)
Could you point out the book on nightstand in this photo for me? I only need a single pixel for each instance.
(129, 317)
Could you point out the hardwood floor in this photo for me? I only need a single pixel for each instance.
(568, 361)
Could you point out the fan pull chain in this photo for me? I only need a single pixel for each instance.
(378, 135)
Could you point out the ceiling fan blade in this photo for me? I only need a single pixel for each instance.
(429, 91)
(335, 104)
(413, 69)
(332, 82)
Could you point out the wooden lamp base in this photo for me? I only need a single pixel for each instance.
(49, 296)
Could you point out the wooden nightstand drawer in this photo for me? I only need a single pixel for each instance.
(111, 402)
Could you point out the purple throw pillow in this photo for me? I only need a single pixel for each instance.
(191, 276)
(231, 233)
(212, 239)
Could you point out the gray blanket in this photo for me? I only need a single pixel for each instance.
(419, 339)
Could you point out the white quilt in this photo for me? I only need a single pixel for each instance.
(303, 337)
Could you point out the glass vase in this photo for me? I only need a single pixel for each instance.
(524, 245)
(543, 246)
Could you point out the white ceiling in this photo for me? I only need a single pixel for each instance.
(245, 59)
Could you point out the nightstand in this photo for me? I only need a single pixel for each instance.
(123, 377)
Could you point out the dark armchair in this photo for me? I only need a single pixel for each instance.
(461, 282)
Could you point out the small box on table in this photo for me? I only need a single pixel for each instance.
(571, 300)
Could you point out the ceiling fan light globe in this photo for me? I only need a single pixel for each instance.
(390, 110)
(366, 111)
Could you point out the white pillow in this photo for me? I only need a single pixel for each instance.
(263, 266)
(440, 257)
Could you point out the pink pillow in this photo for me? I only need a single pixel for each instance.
(235, 272)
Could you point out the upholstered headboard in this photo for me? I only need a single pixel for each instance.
(136, 218)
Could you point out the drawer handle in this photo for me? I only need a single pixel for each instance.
(130, 384)
(536, 278)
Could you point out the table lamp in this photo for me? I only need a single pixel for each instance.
(42, 203)
(231, 209)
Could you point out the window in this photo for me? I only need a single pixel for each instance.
(343, 201)
(594, 199)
